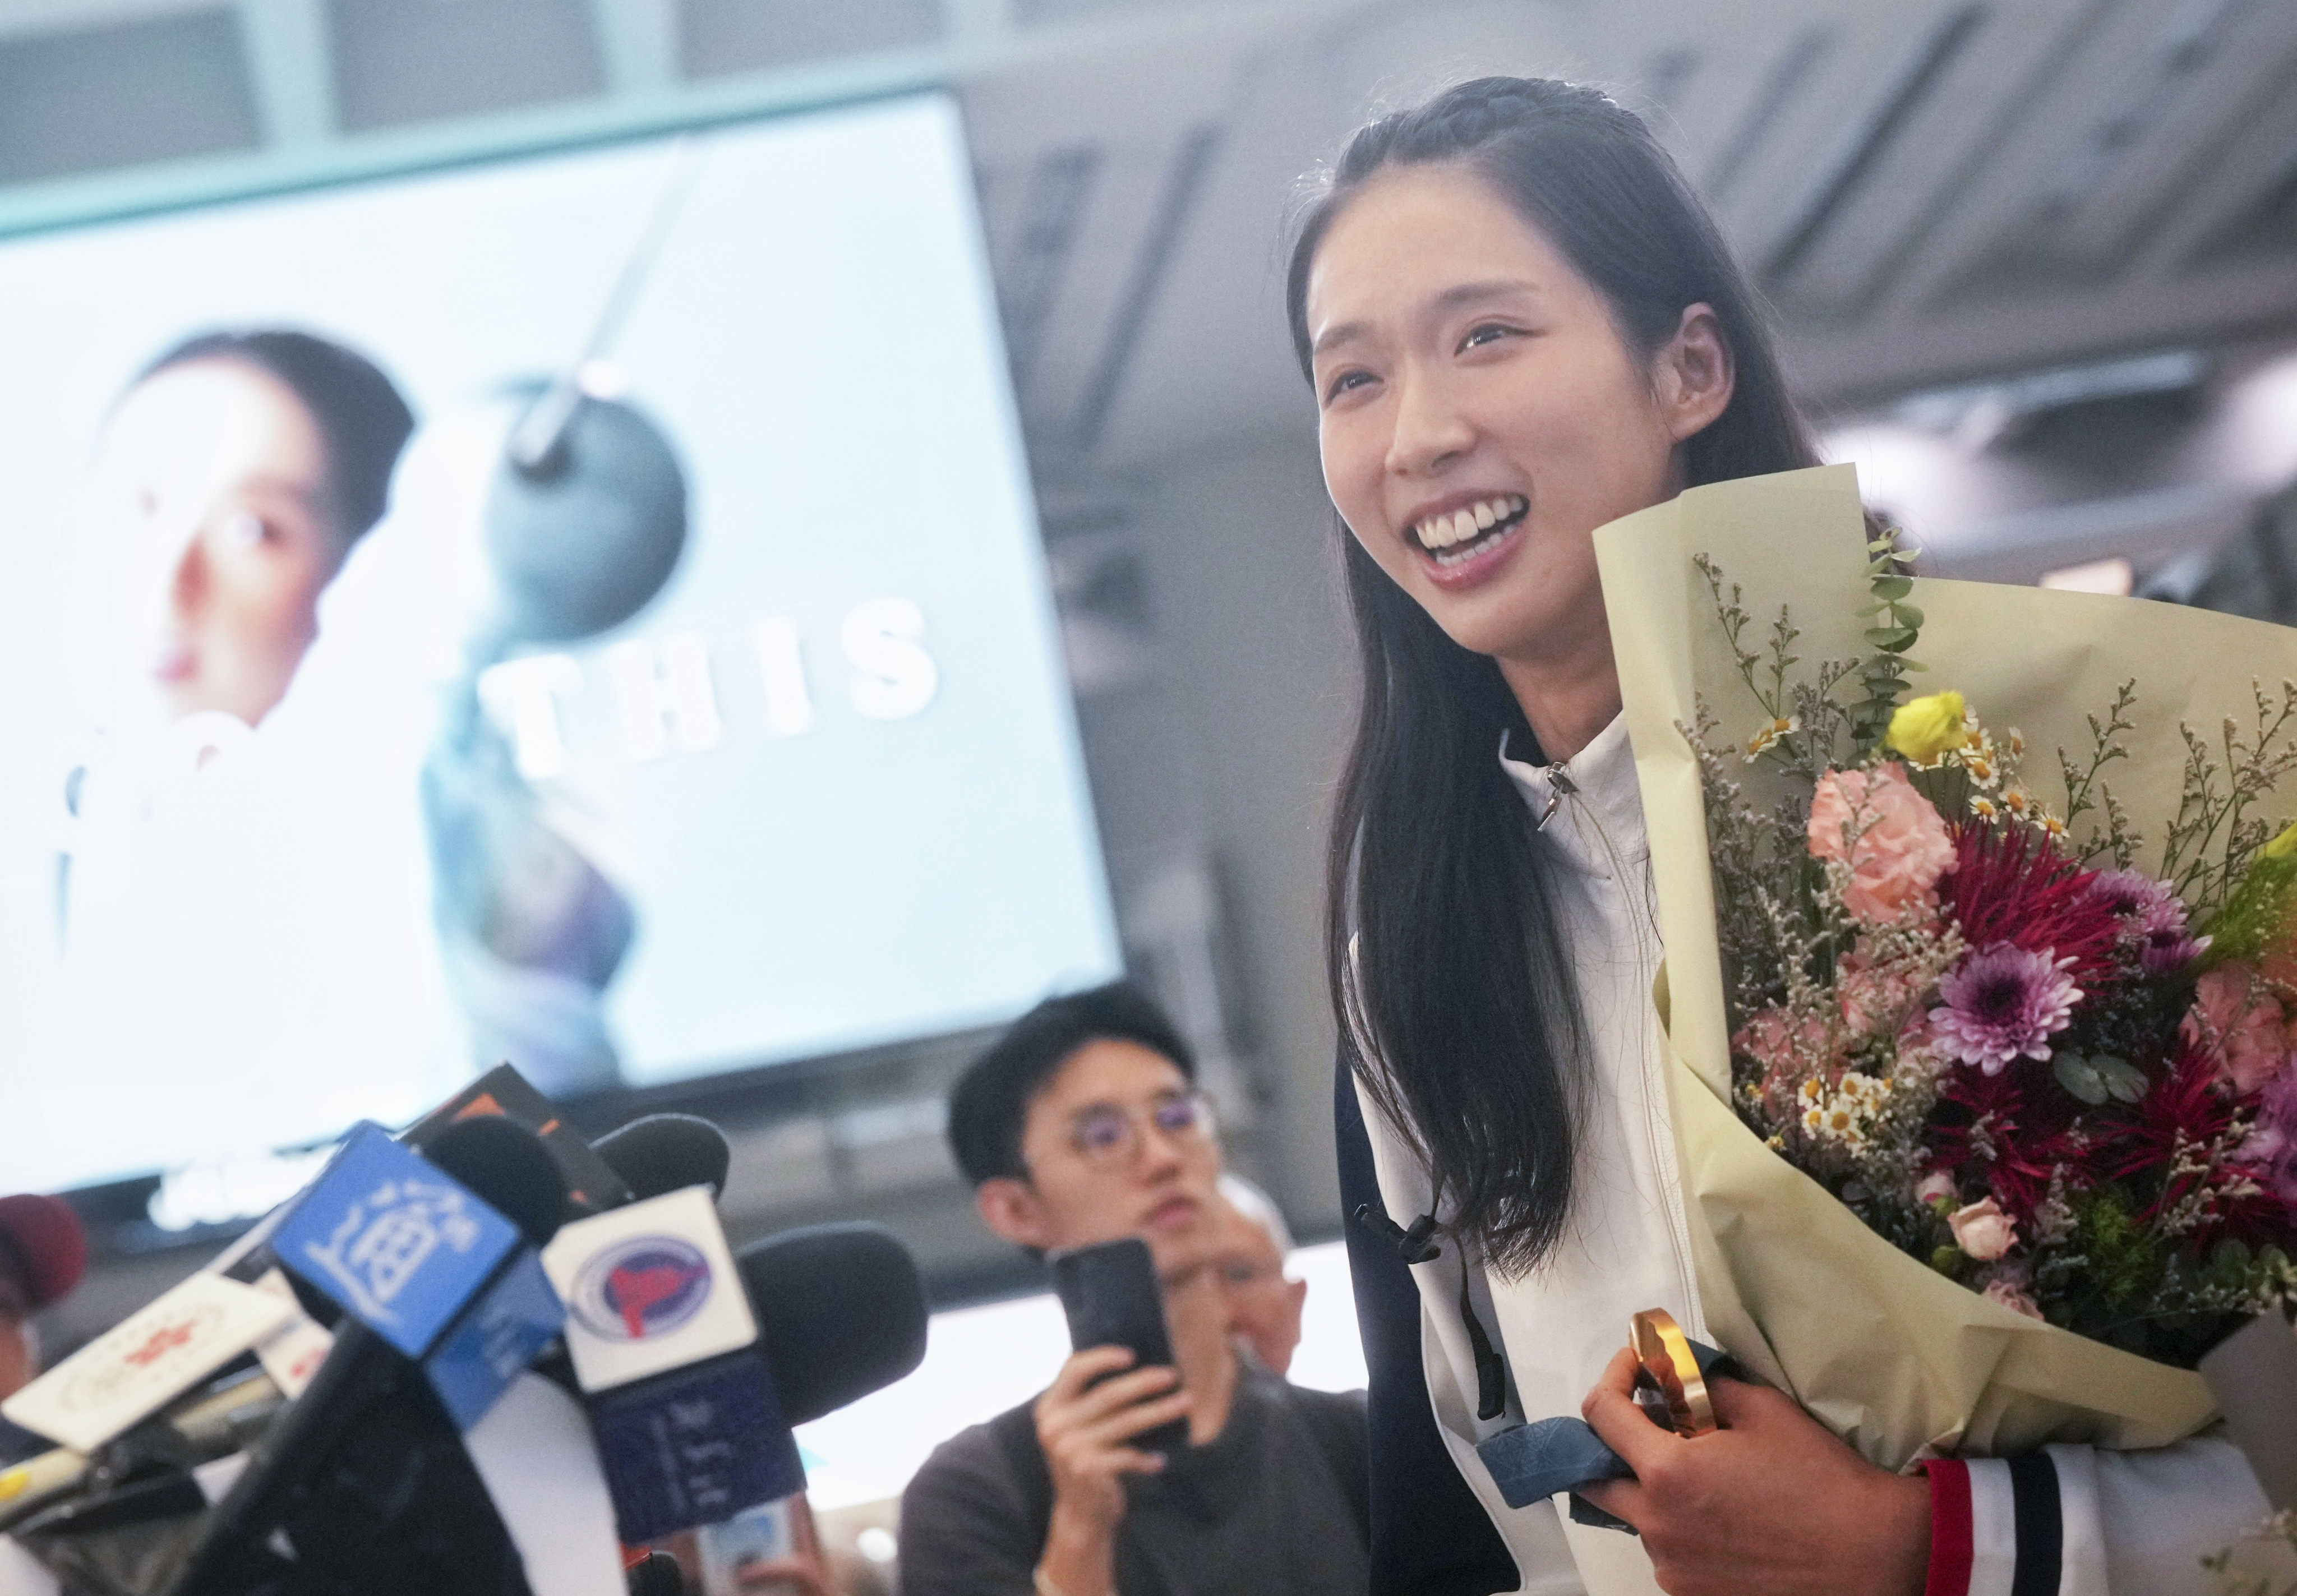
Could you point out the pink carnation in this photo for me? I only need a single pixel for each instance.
(1874, 1001)
(2240, 1025)
(1784, 1045)
(1890, 834)
(1982, 1230)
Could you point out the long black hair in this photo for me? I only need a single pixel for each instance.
(1453, 988)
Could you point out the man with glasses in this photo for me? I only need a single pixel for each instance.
(1083, 1124)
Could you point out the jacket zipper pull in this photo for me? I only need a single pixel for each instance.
(1414, 1245)
(1561, 787)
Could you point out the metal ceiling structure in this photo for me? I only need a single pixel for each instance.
(1929, 192)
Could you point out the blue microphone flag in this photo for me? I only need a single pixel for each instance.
(404, 1248)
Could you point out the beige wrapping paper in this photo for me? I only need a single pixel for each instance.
(1896, 1358)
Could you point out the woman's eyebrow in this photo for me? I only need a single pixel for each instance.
(1451, 299)
(1469, 294)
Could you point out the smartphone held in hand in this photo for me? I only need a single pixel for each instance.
(1112, 1297)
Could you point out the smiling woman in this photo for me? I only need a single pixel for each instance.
(1520, 326)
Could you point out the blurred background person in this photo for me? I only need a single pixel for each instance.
(42, 1254)
(1083, 1124)
(1264, 1303)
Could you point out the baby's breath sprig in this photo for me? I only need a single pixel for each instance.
(2085, 791)
(2212, 838)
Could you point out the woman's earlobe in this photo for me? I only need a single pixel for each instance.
(1698, 358)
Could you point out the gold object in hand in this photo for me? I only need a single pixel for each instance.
(1671, 1373)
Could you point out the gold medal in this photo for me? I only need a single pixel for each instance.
(1668, 1385)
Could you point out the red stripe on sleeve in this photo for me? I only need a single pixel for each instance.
(1952, 1543)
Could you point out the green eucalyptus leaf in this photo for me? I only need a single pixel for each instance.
(2125, 1082)
(2097, 1078)
(1893, 587)
(2080, 1076)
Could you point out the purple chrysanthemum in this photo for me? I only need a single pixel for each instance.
(2169, 949)
(2272, 1146)
(2002, 1002)
(2134, 896)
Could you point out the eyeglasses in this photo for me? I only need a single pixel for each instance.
(1108, 1133)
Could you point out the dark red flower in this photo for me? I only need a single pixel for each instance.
(1992, 1129)
(2012, 886)
(2186, 1108)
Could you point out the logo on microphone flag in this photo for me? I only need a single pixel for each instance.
(394, 1239)
(648, 1287)
(146, 1361)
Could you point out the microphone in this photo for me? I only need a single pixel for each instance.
(113, 1444)
(841, 1313)
(664, 1347)
(663, 1153)
(592, 1184)
(445, 1303)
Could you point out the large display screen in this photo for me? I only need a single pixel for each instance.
(731, 729)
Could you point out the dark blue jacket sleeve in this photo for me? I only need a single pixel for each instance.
(1430, 1535)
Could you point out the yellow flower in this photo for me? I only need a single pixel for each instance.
(2283, 845)
(1925, 728)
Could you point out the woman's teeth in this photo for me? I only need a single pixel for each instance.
(1447, 537)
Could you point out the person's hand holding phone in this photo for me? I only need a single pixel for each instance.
(1086, 1421)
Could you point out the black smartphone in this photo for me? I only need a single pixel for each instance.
(1110, 1294)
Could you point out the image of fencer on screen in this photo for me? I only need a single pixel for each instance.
(584, 519)
(346, 760)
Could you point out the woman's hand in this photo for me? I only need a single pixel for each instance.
(1771, 1504)
(1083, 1428)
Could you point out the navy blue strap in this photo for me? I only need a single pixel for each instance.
(2041, 1524)
(1430, 1535)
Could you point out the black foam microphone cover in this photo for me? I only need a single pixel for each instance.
(841, 1313)
(667, 1152)
(657, 1574)
(507, 1165)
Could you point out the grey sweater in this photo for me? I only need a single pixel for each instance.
(1276, 1503)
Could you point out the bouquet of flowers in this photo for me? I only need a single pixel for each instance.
(1956, 1003)
(1978, 1038)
